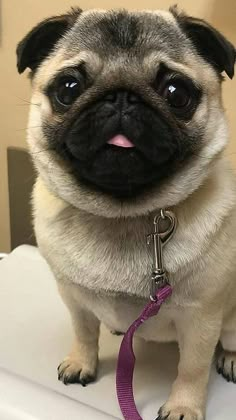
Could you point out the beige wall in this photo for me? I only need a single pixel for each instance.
(18, 16)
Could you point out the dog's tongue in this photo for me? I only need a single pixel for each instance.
(120, 141)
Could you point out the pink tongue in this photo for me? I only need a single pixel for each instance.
(120, 141)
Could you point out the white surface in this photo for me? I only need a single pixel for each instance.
(24, 400)
(36, 334)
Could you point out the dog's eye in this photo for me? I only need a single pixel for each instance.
(67, 90)
(181, 94)
(176, 94)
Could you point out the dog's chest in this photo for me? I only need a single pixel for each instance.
(108, 256)
(118, 312)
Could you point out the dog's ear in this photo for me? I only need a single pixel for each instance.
(38, 43)
(209, 42)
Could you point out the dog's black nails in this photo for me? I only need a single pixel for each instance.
(65, 380)
(161, 417)
(219, 370)
(223, 363)
(87, 380)
(74, 379)
(226, 376)
(61, 373)
(83, 382)
(232, 370)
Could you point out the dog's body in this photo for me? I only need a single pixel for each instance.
(93, 233)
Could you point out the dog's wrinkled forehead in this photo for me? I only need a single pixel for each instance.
(173, 35)
(108, 33)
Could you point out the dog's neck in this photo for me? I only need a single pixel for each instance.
(118, 246)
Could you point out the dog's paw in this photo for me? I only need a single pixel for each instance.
(71, 371)
(226, 365)
(179, 413)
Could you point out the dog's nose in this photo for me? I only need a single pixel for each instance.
(122, 97)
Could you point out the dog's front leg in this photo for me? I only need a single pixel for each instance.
(198, 332)
(80, 365)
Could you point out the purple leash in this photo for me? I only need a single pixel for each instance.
(161, 290)
(126, 358)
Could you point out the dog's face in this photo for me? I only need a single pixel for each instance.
(126, 108)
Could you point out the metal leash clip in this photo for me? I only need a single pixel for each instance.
(158, 239)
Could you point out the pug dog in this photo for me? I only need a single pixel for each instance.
(127, 119)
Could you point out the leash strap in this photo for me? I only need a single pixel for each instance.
(126, 358)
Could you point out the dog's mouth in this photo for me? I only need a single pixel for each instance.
(121, 141)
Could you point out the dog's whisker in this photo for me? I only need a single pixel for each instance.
(27, 102)
(39, 151)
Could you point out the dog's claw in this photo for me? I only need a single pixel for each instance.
(179, 413)
(226, 365)
(160, 417)
(72, 372)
